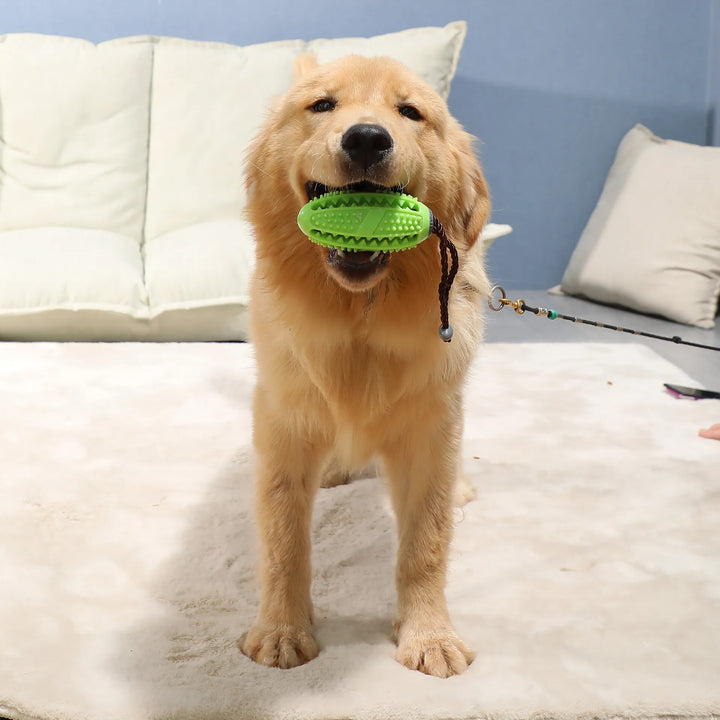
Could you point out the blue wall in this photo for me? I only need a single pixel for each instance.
(550, 86)
(713, 86)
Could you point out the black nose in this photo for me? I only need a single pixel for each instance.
(366, 145)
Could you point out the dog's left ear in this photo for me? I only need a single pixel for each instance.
(303, 65)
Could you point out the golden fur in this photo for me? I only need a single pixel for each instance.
(354, 369)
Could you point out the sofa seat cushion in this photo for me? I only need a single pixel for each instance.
(207, 265)
(52, 278)
(70, 268)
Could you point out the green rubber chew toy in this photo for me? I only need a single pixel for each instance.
(369, 221)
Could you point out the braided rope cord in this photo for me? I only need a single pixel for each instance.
(448, 276)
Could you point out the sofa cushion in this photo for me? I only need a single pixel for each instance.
(75, 133)
(51, 277)
(652, 243)
(208, 99)
(207, 265)
(432, 53)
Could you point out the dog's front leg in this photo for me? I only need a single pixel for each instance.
(421, 471)
(287, 478)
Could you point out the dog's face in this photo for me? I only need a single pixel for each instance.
(371, 125)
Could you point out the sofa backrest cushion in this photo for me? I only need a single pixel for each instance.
(207, 101)
(74, 122)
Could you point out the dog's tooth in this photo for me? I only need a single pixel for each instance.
(374, 256)
(341, 253)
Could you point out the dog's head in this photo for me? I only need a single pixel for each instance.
(367, 124)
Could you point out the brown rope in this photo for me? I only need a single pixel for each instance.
(448, 276)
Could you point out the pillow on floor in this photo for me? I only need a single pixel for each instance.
(652, 243)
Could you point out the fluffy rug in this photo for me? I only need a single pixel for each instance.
(586, 574)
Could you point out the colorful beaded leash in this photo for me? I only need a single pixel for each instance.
(520, 307)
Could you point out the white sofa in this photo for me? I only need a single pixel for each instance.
(121, 177)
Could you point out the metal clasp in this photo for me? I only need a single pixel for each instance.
(502, 301)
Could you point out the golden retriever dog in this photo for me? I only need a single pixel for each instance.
(350, 364)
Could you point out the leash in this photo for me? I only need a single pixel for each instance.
(521, 307)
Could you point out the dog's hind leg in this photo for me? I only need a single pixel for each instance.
(463, 491)
(334, 474)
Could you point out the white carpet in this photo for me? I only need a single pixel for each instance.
(586, 575)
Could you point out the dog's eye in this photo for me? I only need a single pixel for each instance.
(323, 105)
(410, 112)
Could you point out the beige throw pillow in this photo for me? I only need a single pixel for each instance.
(652, 243)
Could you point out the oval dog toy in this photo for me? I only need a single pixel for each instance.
(374, 221)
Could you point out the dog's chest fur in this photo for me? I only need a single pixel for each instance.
(370, 394)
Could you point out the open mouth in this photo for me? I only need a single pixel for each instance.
(359, 266)
(315, 189)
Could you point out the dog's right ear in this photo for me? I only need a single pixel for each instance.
(303, 65)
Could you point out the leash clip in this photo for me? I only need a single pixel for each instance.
(517, 305)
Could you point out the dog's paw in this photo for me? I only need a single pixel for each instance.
(440, 653)
(282, 647)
